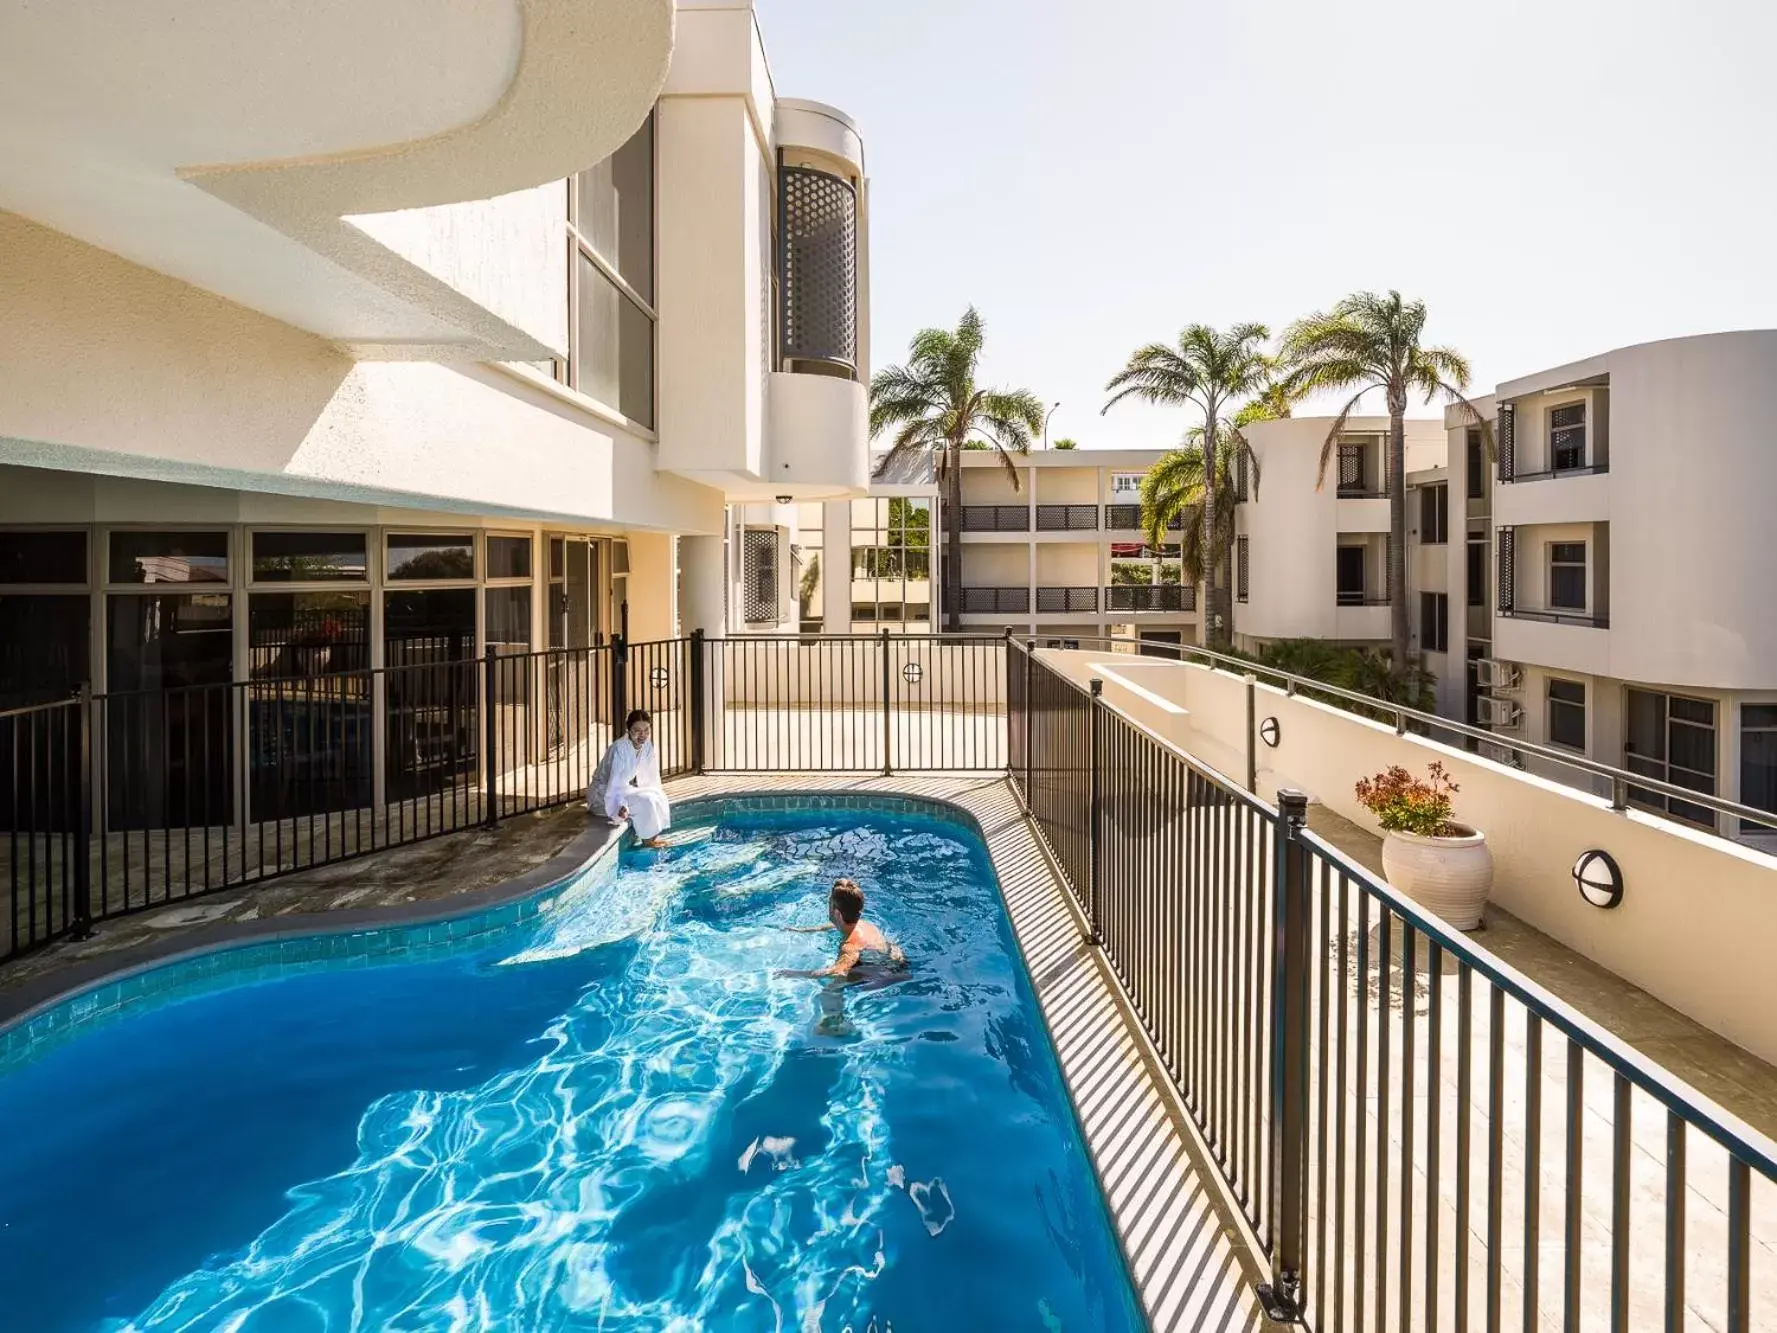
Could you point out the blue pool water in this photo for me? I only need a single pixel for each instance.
(613, 1118)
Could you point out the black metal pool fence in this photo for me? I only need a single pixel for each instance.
(1400, 1119)
(112, 803)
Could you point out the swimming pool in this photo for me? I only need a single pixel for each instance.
(607, 1117)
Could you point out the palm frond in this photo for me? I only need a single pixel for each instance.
(1333, 434)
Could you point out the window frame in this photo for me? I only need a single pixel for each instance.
(1550, 706)
(879, 537)
(1434, 514)
(1584, 565)
(373, 553)
(1476, 463)
(390, 583)
(580, 244)
(1584, 428)
(1434, 622)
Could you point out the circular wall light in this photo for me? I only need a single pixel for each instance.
(1271, 732)
(913, 673)
(658, 677)
(1599, 878)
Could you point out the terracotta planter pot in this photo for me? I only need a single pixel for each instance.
(1448, 876)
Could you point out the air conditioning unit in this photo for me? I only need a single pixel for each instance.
(1500, 754)
(1492, 674)
(1499, 713)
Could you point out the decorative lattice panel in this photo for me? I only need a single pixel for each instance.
(818, 266)
(758, 572)
(1351, 467)
(1508, 582)
(1241, 568)
(1507, 433)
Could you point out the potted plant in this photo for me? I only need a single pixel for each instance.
(1427, 855)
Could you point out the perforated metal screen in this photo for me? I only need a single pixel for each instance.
(818, 263)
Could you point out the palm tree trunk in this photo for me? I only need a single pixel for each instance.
(953, 538)
(1215, 618)
(1397, 538)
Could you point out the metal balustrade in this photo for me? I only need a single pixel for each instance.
(1150, 597)
(1067, 518)
(996, 601)
(996, 518)
(1067, 600)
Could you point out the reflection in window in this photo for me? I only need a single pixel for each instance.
(891, 580)
(509, 619)
(310, 557)
(431, 556)
(612, 269)
(806, 555)
(169, 557)
(293, 635)
(614, 347)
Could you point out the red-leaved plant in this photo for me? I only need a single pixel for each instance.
(1403, 803)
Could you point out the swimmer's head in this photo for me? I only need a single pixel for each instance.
(846, 903)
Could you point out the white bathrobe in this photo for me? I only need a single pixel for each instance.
(630, 777)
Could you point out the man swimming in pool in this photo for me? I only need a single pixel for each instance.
(865, 953)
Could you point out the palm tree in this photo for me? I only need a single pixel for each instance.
(1173, 492)
(1208, 370)
(1365, 342)
(933, 406)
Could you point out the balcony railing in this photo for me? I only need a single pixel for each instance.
(1358, 490)
(1359, 597)
(1555, 617)
(996, 518)
(1127, 518)
(996, 601)
(1345, 1057)
(1591, 470)
(1067, 518)
(1150, 597)
(1063, 600)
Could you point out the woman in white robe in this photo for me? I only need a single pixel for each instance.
(627, 783)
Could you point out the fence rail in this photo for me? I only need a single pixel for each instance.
(1415, 1135)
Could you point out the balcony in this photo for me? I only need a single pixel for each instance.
(1150, 597)
(1127, 518)
(996, 518)
(1067, 518)
(1001, 601)
(1064, 601)
(1580, 618)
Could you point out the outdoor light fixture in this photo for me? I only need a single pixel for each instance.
(658, 677)
(1599, 878)
(1271, 732)
(785, 499)
(913, 673)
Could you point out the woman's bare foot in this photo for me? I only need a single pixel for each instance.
(656, 843)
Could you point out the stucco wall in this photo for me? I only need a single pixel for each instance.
(1694, 929)
(112, 368)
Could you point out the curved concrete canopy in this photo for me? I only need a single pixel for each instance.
(125, 125)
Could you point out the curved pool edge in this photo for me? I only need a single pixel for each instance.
(52, 1009)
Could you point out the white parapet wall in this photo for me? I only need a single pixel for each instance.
(1695, 927)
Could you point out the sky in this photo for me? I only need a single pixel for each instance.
(1553, 178)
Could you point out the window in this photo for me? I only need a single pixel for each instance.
(1434, 622)
(1477, 569)
(805, 567)
(169, 557)
(42, 557)
(310, 557)
(1758, 760)
(508, 557)
(1567, 437)
(1477, 464)
(1671, 738)
(612, 235)
(1567, 576)
(1242, 568)
(1567, 714)
(441, 556)
(297, 635)
(891, 575)
(1434, 515)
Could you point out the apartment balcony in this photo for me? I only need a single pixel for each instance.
(1067, 518)
(1362, 511)
(1143, 597)
(1066, 601)
(995, 518)
(999, 601)
(1573, 495)
(1127, 518)
(1561, 640)
(1362, 619)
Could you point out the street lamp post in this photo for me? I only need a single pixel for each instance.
(1046, 416)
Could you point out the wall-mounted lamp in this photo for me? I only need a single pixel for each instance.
(1271, 732)
(785, 499)
(1599, 878)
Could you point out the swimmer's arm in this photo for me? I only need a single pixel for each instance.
(842, 966)
(811, 930)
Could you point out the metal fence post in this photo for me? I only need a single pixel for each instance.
(81, 927)
(619, 683)
(888, 765)
(1282, 1297)
(1252, 732)
(699, 714)
(490, 732)
(1030, 652)
(1095, 813)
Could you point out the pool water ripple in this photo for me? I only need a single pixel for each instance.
(616, 1120)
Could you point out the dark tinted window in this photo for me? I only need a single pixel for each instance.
(169, 557)
(42, 557)
(508, 557)
(1567, 713)
(431, 556)
(1477, 463)
(1567, 575)
(310, 557)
